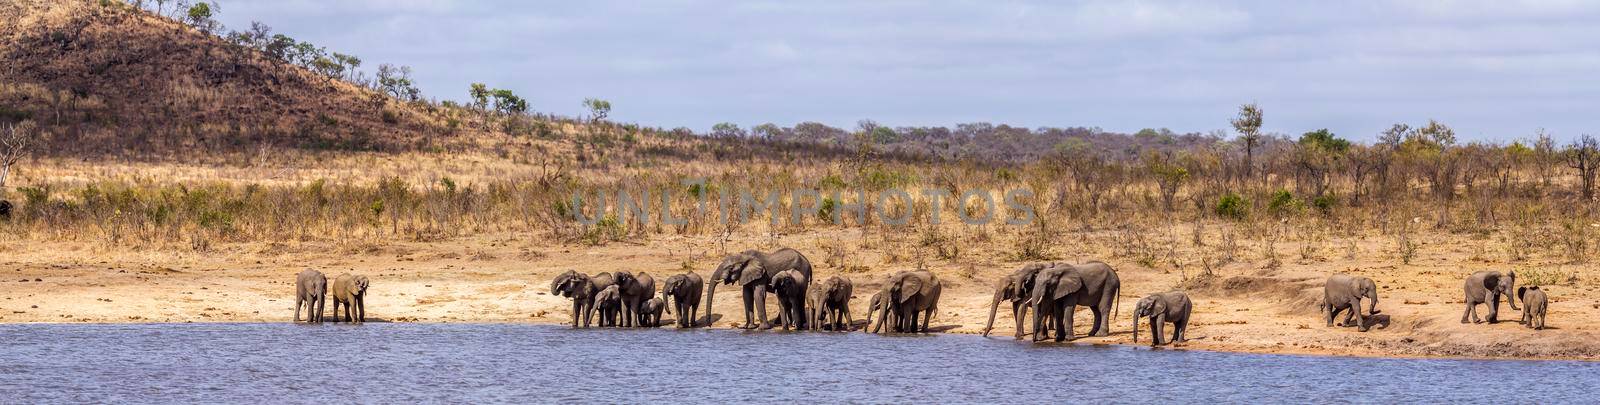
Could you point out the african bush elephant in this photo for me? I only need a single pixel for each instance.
(683, 291)
(310, 292)
(790, 287)
(609, 303)
(829, 304)
(582, 289)
(1171, 306)
(1343, 292)
(1486, 287)
(910, 296)
(1059, 289)
(350, 291)
(753, 271)
(650, 312)
(1534, 303)
(1016, 287)
(635, 290)
(873, 304)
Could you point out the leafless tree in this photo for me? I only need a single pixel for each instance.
(16, 140)
(1584, 155)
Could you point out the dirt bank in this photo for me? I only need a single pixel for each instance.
(1242, 308)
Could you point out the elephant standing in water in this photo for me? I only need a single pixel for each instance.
(1059, 289)
(1016, 287)
(311, 293)
(790, 287)
(635, 290)
(350, 291)
(1344, 292)
(909, 295)
(753, 271)
(1171, 306)
(829, 304)
(1534, 304)
(582, 289)
(683, 291)
(1486, 287)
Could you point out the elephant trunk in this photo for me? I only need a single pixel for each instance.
(711, 292)
(665, 304)
(1373, 308)
(993, 307)
(1136, 328)
(1512, 299)
(1038, 317)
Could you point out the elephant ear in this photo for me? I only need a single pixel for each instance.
(910, 286)
(1067, 286)
(753, 271)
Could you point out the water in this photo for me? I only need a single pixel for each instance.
(381, 362)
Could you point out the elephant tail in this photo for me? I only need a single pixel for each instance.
(1116, 305)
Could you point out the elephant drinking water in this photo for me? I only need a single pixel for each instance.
(753, 271)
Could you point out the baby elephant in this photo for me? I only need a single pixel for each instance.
(1534, 303)
(650, 312)
(1171, 306)
(350, 291)
(311, 293)
(609, 303)
(1486, 287)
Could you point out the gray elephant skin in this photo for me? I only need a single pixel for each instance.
(581, 288)
(1059, 289)
(1015, 288)
(1161, 308)
(351, 292)
(311, 293)
(790, 287)
(1344, 293)
(683, 292)
(906, 298)
(650, 312)
(635, 290)
(608, 303)
(829, 304)
(1486, 287)
(752, 271)
(1534, 304)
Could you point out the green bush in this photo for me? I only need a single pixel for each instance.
(1231, 205)
(1284, 202)
(1325, 203)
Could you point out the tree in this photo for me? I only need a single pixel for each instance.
(727, 130)
(347, 63)
(509, 103)
(597, 109)
(1431, 150)
(1319, 153)
(1248, 124)
(1169, 175)
(200, 17)
(281, 47)
(767, 131)
(480, 95)
(16, 141)
(396, 81)
(1584, 155)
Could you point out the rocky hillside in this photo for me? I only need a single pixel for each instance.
(105, 77)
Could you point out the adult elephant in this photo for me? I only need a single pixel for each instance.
(683, 291)
(635, 290)
(1344, 292)
(1486, 287)
(582, 288)
(1016, 287)
(311, 293)
(752, 271)
(1059, 289)
(910, 296)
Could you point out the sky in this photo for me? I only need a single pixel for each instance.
(1495, 70)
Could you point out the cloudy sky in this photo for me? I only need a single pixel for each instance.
(1493, 69)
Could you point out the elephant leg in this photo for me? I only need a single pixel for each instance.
(927, 317)
(1155, 331)
(320, 303)
(760, 293)
(1330, 313)
(1465, 313)
(1096, 330)
(361, 304)
(1177, 330)
(1494, 307)
(749, 308)
(1065, 328)
(1018, 311)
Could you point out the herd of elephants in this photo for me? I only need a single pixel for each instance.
(907, 300)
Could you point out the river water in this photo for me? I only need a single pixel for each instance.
(381, 362)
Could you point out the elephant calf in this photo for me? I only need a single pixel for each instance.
(609, 303)
(351, 292)
(1534, 303)
(1344, 292)
(790, 286)
(683, 292)
(311, 293)
(650, 312)
(829, 304)
(1486, 287)
(1171, 306)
